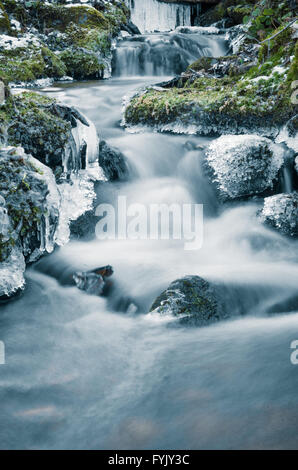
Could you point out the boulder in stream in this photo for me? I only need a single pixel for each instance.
(94, 281)
(113, 162)
(192, 299)
(281, 212)
(244, 165)
(29, 215)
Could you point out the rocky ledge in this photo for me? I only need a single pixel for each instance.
(252, 90)
(41, 40)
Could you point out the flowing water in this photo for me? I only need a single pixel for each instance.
(147, 14)
(88, 372)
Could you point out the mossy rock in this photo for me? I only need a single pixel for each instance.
(55, 16)
(81, 63)
(32, 120)
(4, 20)
(252, 96)
(29, 64)
(191, 299)
(238, 12)
(24, 193)
(203, 63)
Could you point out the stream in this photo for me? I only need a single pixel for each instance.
(87, 372)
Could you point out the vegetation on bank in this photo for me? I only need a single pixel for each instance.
(54, 40)
(258, 86)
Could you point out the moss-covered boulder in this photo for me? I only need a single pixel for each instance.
(29, 211)
(33, 121)
(4, 20)
(113, 162)
(191, 299)
(55, 39)
(81, 63)
(43, 127)
(27, 62)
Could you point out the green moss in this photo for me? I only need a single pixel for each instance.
(86, 31)
(237, 13)
(25, 211)
(203, 63)
(31, 120)
(258, 91)
(53, 65)
(58, 16)
(28, 64)
(263, 98)
(18, 10)
(4, 20)
(94, 39)
(293, 72)
(81, 63)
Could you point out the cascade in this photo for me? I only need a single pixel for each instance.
(153, 15)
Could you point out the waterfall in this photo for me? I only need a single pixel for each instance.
(164, 54)
(153, 15)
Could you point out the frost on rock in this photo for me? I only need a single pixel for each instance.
(198, 30)
(281, 212)
(77, 193)
(77, 197)
(29, 214)
(35, 211)
(191, 299)
(52, 208)
(10, 42)
(12, 273)
(244, 165)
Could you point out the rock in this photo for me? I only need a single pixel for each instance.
(281, 212)
(29, 215)
(215, 14)
(55, 39)
(93, 282)
(244, 165)
(192, 299)
(4, 21)
(113, 162)
(84, 226)
(49, 131)
(130, 28)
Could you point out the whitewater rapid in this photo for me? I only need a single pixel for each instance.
(86, 372)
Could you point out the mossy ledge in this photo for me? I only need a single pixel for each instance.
(43, 40)
(249, 91)
(37, 123)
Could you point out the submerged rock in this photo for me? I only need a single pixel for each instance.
(192, 299)
(281, 212)
(244, 165)
(113, 162)
(93, 282)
